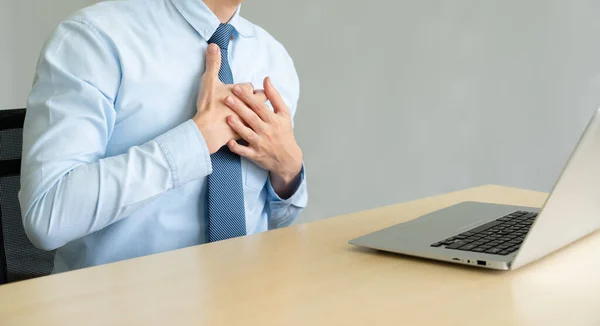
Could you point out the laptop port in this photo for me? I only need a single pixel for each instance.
(481, 263)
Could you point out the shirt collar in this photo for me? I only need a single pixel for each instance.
(206, 23)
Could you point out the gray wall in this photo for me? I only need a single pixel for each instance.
(24, 26)
(404, 99)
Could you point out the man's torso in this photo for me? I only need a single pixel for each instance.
(161, 58)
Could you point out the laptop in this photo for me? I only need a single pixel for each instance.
(507, 237)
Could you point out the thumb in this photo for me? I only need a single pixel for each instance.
(213, 62)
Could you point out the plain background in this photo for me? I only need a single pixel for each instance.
(403, 99)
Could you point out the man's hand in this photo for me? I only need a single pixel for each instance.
(212, 111)
(270, 136)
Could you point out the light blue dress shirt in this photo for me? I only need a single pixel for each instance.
(113, 166)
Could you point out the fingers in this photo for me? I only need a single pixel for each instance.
(275, 98)
(249, 116)
(255, 103)
(248, 87)
(213, 63)
(260, 96)
(241, 150)
(241, 129)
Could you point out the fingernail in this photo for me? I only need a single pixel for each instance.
(230, 100)
(237, 89)
(212, 48)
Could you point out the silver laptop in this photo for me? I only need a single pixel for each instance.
(507, 237)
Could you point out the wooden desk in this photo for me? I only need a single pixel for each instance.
(309, 275)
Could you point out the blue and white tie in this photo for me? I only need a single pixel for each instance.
(226, 214)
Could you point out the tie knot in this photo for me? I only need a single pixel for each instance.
(222, 36)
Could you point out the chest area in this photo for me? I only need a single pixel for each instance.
(160, 85)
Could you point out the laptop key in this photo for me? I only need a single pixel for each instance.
(458, 244)
(513, 248)
(479, 249)
(486, 226)
(460, 237)
(437, 244)
(468, 247)
(467, 234)
(493, 251)
(504, 252)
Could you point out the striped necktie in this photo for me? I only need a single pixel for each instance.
(226, 213)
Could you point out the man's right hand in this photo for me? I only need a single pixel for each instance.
(212, 114)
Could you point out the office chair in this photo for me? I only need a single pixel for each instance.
(19, 259)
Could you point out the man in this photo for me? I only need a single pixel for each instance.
(124, 157)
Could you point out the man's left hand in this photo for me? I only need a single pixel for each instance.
(270, 136)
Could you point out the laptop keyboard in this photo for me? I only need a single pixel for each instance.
(500, 237)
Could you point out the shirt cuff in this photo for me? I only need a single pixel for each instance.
(187, 153)
(299, 197)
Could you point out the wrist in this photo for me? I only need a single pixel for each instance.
(285, 183)
(289, 172)
(207, 135)
(289, 175)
